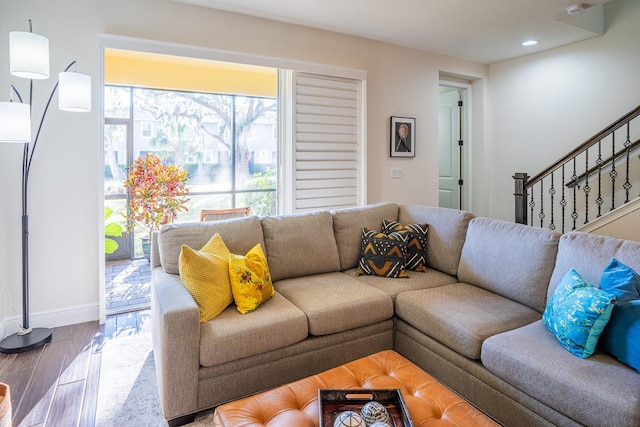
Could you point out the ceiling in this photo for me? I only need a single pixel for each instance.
(484, 31)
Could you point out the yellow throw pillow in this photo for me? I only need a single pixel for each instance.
(205, 273)
(250, 279)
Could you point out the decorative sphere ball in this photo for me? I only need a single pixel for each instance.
(379, 424)
(375, 412)
(349, 419)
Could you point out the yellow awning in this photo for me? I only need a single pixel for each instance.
(156, 71)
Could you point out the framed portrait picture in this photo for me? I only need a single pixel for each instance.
(402, 142)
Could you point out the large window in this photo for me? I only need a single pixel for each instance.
(241, 131)
(225, 142)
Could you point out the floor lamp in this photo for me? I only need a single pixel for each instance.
(29, 59)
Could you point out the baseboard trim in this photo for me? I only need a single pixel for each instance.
(52, 318)
(627, 209)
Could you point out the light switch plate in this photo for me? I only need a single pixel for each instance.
(396, 173)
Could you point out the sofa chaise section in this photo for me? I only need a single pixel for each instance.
(595, 391)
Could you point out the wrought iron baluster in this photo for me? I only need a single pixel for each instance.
(574, 178)
(552, 192)
(532, 204)
(587, 188)
(613, 173)
(541, 214)
(599, 200)
(627, 185)
(563, 201)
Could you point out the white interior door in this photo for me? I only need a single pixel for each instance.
(449, 172)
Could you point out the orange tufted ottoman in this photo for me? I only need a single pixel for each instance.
(296, 404)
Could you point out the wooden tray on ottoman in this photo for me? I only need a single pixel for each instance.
(333, 402)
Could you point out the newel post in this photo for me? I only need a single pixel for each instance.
(520, 194)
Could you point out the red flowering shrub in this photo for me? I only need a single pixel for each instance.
(156, 193)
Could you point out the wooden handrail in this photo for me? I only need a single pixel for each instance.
(588, 143)
(593, 169)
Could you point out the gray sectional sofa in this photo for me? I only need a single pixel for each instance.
(472, 320)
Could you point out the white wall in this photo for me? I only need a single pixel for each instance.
(65, 181)
(544, 105)
(621, 223)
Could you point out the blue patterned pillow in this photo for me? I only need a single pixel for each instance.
(577, 313)
(621, 337)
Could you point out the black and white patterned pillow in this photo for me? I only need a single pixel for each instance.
(416, 257)
(383, 255)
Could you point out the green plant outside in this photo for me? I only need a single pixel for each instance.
(111, 229)
(263, 203)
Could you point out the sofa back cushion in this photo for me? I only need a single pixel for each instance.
(509, 259)
(589, 254)
(239, 234)
(348, 224)
(300, 244)
(447, 231)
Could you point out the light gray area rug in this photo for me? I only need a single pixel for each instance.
(128, 391)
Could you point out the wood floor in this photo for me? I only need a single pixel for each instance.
(57, 384)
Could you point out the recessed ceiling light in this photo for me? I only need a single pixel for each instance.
(530, 43)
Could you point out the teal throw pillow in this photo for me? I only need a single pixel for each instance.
(621, 337)
(577, 313)
(620, 280)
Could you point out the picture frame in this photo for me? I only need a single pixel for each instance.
(402, 141)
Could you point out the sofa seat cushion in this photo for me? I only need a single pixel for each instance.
(597, 391)
(462, 316)
(232, 336)
(300, 244)
(336, 302)
(416, 280)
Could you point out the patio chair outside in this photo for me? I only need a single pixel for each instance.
(217, 214)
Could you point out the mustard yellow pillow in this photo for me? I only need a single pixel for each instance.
(205, 274)
(250, 279)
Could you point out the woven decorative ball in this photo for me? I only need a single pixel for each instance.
(375, 412)
(349, 419)
(379, 424)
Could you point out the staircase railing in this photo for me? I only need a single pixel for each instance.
(580, 185)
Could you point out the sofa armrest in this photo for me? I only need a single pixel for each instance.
(176, 343)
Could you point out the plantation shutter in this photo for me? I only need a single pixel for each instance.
(327, 142)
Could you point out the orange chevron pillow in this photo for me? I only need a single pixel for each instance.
(383, 255)
(416, 258)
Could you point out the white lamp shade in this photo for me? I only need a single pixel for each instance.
(74, 92)
(15, 122)
(28, 55)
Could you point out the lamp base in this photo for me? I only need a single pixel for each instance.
(20, 343)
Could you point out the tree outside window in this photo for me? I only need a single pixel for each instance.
(208, 135)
